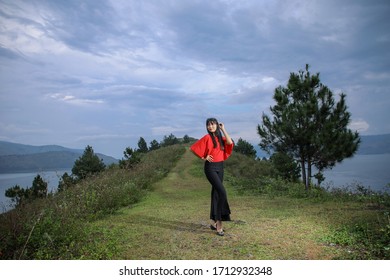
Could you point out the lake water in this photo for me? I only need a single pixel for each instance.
(25, 180)
(369, 170)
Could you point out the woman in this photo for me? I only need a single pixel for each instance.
(214, 149)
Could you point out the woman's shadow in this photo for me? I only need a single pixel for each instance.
(177, 225)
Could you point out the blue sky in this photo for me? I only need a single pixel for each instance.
(105, 73)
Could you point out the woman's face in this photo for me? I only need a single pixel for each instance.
(212, 127)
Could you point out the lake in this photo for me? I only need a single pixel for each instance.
(369, 170)
(25, 180)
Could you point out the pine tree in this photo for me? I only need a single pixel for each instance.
(169, 140)
(186, 139)
(142, 146)
(38, 188)
(66, 181)
(17, 194)
(154, 145)
(20, 195)
(89, 163)
(245, 148)
(286, 166)
(308, 125)
(132, 158)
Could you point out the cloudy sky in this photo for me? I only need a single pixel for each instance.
(106, 72)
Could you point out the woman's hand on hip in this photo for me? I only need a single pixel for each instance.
(209, 158)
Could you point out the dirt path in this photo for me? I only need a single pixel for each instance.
(172, 223)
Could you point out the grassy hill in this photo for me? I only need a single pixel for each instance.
(160, 208)
(27, 158)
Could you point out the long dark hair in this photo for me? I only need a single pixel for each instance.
(218, 133)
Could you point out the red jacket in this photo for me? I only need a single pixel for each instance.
(205, 146)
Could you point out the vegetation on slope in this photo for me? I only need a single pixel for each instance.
(55, 227)
(159, 210)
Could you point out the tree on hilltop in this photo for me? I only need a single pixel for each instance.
(132, 157)
(16, 194)
(308, 125)
(142, 146)
(286, 167)
(66, 181)
(186, 139)
(154, 145)
(89, 163)
(245, 148)
(169, 140)
(38, 188)
(20, 195)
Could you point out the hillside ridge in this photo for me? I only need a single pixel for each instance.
(173, 223)
(15, 157)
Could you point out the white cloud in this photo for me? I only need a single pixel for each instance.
(73, 100)
(27, 32)
(359, 125)
(103, 137)
(377, 76)
(166, 130)
(149, 68)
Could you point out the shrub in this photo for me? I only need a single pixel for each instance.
(239, 165)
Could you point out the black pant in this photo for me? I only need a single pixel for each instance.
(220, 210)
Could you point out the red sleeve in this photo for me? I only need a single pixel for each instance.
(200, 147)
(228, 149)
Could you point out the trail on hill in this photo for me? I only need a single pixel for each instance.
(172, 223)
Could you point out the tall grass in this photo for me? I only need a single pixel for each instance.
(57, 227)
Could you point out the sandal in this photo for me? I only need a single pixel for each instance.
(213, 227)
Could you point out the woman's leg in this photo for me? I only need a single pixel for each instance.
(219, 205)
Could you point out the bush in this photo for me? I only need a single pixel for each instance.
(239, 165)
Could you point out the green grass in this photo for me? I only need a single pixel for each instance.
(58, 227)
(272, 219)
(172, 223)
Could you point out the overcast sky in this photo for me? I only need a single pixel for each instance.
(104, 73)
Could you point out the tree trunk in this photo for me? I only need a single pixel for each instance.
(303, 168)
(308, 184)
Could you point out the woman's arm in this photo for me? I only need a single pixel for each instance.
(200, 148)
(229, 140)
(207, 158)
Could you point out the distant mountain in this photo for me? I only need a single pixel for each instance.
(374, 144)
(8, 148)
(26, 158)
(370, 145)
